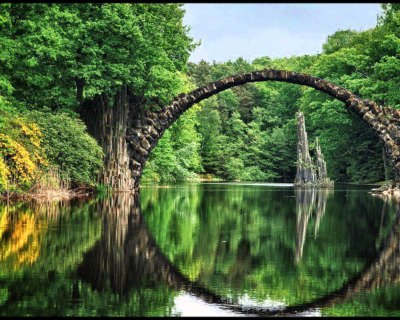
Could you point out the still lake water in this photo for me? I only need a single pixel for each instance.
(205, 249)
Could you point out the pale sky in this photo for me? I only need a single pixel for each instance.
(251, 30)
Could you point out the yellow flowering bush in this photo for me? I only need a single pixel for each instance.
(4, 173)
(19, 162)
(32, 132)
(21, 154)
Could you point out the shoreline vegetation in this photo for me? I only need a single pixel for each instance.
(50, 195)
(387, 190)
(51, 185)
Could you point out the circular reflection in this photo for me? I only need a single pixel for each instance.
(246, 249)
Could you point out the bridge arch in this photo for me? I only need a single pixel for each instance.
(144, 136)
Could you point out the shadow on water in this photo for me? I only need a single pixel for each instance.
(127, 256)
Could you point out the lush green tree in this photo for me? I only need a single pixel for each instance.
(339, 40)
(239, 126)
(177, 155)
(6, 49)
(68, 52)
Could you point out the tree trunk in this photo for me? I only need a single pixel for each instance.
(107, 121)
(79, 89)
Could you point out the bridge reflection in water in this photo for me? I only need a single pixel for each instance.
(128, 257)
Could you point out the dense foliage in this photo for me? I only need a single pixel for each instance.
(177, 157)
(68, 146)
(54, 56)
(58, 54)
(21, 149)
(34, 142)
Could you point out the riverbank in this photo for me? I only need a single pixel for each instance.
(388, 189)
(50, 195)
(206, 177)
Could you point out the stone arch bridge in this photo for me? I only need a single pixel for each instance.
(143, 135)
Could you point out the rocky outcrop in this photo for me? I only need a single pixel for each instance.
(309, 173)
(306, 173)
(322, 173)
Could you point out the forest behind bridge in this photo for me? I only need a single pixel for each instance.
(54, 57)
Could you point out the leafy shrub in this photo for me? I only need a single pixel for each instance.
(68, 146)
(4, 173)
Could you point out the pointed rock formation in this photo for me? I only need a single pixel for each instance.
(322, 173)
(305, 173)
(308, 173)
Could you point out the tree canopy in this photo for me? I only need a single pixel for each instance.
(57, 54)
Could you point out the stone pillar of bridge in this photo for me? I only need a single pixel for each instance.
(107, 119)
